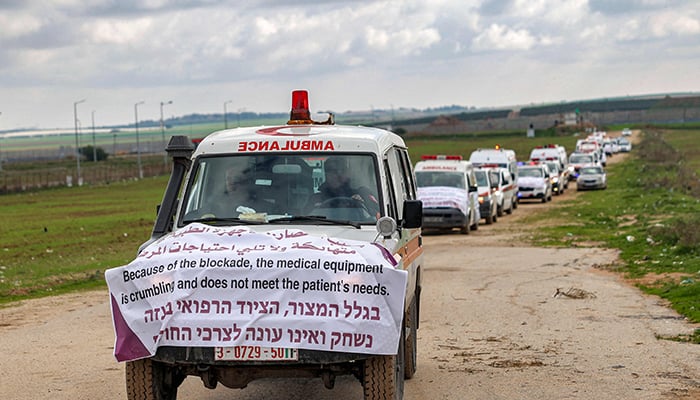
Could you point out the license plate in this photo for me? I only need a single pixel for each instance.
(432, 219)
(255, 353)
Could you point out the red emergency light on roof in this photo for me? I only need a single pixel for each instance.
(441, 157)
(300, 108)
(300, 114)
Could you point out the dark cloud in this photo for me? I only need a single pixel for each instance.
(51, 35)
(608, 7)
(492, 8)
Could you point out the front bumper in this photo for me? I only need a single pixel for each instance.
(443, 218)
(525, 192)
(199, 361)
(485, 207)
(589, 184)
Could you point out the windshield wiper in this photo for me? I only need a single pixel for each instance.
(317, 218)
(215, 220)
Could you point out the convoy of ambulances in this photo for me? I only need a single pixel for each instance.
(280, 251)
(448, 190)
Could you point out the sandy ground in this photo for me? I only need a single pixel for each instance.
(492, 326)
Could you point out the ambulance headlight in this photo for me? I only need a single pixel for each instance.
(386, 226)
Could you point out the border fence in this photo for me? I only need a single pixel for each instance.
(14, 181)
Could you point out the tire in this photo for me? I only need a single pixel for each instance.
(489, 219)
(544, 199)
(510, 209)
(464, 230)
(383, 376)
(515, 204)
(150, 380)
(499, 210)
(411, 342)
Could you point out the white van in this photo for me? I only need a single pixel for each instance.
(496, 157)
(261, 246)
(447, 188)
(550, 152)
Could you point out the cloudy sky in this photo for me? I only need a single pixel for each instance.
(350, 55)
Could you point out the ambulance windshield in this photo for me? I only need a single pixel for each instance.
(270, 187)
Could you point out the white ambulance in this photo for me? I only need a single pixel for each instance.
(280, 251)
(449, 192)
(496, 157)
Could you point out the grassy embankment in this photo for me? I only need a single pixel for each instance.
(63, 239)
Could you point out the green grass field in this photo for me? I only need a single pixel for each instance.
(63, 239)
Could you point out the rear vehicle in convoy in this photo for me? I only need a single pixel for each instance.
(624, 145)
(592, 177)
(556, 176)
(506, 191)
(548, 153)
(488, 204)
(496, 157)
(448, 191)
(579, 160)
(279, 251)
(534, 182)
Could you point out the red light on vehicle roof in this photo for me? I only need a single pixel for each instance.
(300, 113)
(440, 157)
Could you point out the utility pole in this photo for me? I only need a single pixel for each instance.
(77, 142)
(94, 146)
(138, 145)
(0, 151)
(162, 131)
(226, 113)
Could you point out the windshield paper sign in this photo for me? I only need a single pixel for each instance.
(443, 196)
(205, 286)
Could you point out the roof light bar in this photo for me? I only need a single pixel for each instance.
(441, 157)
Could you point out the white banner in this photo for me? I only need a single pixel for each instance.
(443, 196)
(227, 286)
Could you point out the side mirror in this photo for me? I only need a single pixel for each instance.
(412, 214)
(473, 189)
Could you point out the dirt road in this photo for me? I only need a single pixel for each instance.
(492, 326)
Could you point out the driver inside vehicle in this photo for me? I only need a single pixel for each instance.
(238, 192)
(337, 189)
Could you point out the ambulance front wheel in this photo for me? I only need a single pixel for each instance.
(149, 380)
(383, 376)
